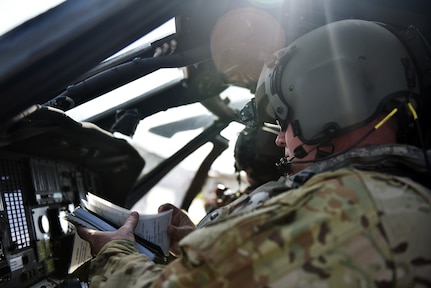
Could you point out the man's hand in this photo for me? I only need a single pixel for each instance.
(98, 239)
(181, 226)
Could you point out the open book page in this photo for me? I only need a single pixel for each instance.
(84, 218)
(81, 253)
(152, 228)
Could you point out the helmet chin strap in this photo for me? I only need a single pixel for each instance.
(329, 131)
(285, 164)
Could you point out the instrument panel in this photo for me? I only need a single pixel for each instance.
(35, 241)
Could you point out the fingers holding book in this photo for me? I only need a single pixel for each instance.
(181, 225)
(98, 239)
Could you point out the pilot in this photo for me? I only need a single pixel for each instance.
(354, 211)
(256, 154)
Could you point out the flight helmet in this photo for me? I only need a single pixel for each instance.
(255, 149)
(336, 78)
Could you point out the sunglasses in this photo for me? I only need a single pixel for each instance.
(282, 125)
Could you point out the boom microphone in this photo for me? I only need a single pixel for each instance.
(285, 165)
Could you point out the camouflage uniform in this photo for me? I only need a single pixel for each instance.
(341, 228)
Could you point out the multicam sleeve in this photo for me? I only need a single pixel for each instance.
(341, 229)
(119, 264)
(328, 233)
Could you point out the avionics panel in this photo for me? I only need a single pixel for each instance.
(48, 162)
(35, 242)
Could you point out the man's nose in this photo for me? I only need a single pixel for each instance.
(280, 140)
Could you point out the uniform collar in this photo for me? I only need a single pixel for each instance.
(383, 158)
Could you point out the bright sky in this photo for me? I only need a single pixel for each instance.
(15, 12)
